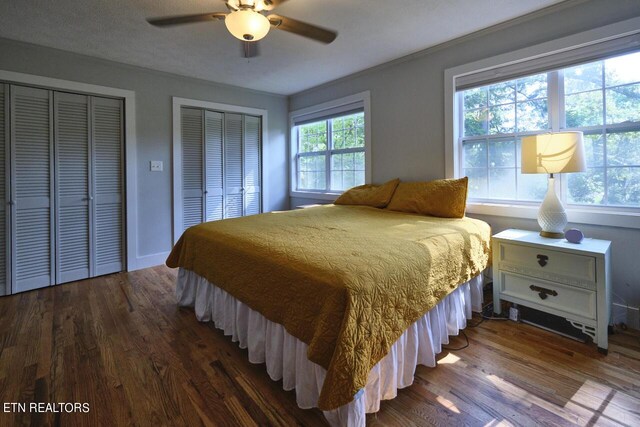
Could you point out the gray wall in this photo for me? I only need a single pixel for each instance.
(154, 91)
(407, 110)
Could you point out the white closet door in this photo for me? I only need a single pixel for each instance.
(32, 172)
(5, 277)
(71, 118)
(213, 154)
(192, 167)
(234, 185)
(107, 196)
(252, 173)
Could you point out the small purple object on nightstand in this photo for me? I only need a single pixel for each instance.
(574, 235)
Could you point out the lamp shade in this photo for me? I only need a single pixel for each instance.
(247, 25)
(553, 153)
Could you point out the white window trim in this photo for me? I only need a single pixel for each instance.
(582, 215)
(362, 97)
(177, 151)
(134, 260)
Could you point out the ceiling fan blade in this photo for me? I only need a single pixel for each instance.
(250, 49)
(186, 19)
(302, 29)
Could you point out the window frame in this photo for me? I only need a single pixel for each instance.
(327, 111)
(557, 121)
(328, 153)
(624, 36)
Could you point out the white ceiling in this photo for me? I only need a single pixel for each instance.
(370, 32)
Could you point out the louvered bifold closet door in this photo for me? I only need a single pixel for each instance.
(192, 168)
(5, 278)
(71, 116)
(234, 206)
(32, 189)
(213, 154)
(252, 172)
(108, 185)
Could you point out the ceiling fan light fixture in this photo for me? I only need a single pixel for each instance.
(247, 25)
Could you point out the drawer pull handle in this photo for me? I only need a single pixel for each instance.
(543, 293)
(542, 260)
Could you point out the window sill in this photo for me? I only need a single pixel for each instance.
(575, 215)
(314, 195)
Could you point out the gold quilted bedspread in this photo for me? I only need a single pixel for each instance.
(346, 280)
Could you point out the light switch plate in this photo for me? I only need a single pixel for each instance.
(156, 165)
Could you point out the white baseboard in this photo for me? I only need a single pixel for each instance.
(147, 261)
(627, 315)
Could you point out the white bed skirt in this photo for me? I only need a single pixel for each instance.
(286, 356)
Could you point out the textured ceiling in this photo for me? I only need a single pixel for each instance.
(370, 32)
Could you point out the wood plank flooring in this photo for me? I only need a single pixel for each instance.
(120, 344)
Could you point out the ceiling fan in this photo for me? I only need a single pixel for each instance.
(247, 21)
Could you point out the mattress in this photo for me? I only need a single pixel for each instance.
(345, 280)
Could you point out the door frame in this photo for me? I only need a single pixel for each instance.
(130, 141)
(178, 103)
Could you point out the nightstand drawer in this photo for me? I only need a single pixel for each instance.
(568, 299)
(546, 263)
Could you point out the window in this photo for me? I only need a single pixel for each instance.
(331, 154)
(330, 147)
(600, 98)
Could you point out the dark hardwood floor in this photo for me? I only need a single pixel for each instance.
(120, 344)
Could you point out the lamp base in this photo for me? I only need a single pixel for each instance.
(552, 217)
(551, 235)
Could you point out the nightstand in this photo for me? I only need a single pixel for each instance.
(554, 276)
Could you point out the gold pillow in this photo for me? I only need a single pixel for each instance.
(446, 198)
(377, 196)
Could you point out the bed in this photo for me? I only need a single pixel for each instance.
(340, 302)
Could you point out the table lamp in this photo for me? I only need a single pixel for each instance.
(551, 153)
